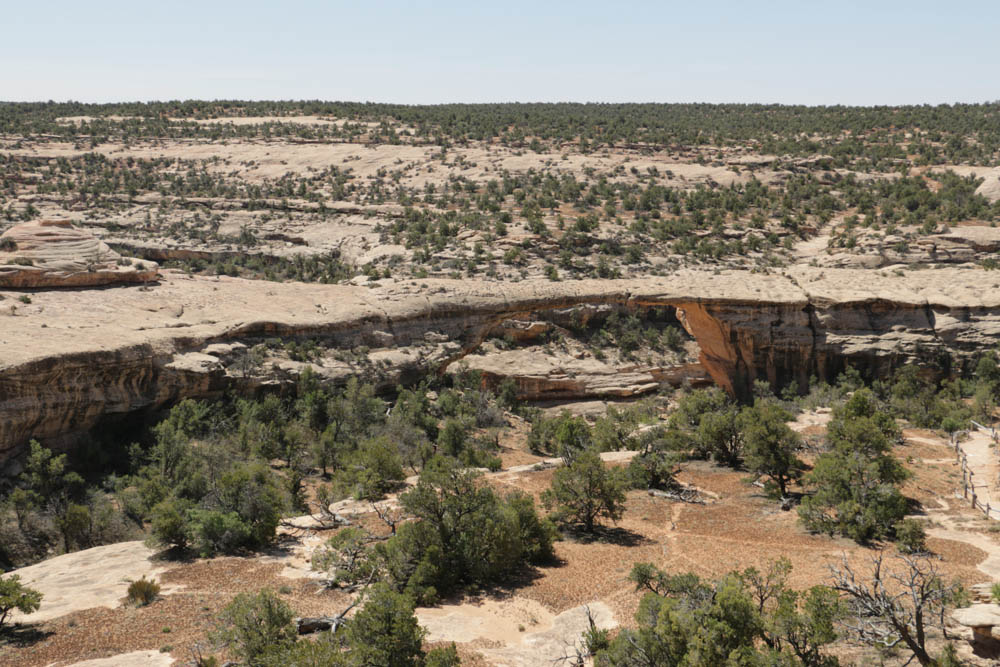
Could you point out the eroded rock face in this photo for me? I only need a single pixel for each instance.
(63, 396)
(554, 359)
(54, 253)
(70, 357)
(543, 376)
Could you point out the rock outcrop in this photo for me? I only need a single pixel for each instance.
(542, 376)
(968, 243)
(982, 618)
(990, 187)
(54, 253)
(70, 357)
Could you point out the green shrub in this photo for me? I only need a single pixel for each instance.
(443, 656)
(855, 487)
(375, 469)
(910, 536)
(465, 534)
(385, 631)
(15, 595)
(585, 490)
(253, 492)
(745, 618)
(210, 532)
(252, 625)
(948, 657)
(771, 445)
(143, 592)
(323, 652)
(564, 435)
(169, 523)
(347, 558)
(653, 469)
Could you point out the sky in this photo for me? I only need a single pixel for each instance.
(802, 52)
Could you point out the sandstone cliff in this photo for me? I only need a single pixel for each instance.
(70, 357)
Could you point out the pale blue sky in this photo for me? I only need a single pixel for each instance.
(808, 52)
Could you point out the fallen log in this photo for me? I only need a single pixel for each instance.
(683, 495)
(308, 625)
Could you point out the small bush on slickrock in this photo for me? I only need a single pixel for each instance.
(143, 592)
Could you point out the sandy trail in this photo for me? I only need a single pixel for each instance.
(134, 659)
(981, 456)
(815, 246)
(982, 461)
(504, 620)
(949, 529)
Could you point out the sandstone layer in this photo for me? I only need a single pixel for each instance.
(54, 253)
(71, 357)
(540, 376)
(964, 244)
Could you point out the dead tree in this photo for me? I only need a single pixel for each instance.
(577, 653)
(681, 494)
(349, 557)
(389, 518)
(894, 607)
(310, 624)
(323, 518)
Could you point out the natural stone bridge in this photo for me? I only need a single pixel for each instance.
(72, 356)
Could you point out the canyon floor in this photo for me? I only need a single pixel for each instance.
(534, 622)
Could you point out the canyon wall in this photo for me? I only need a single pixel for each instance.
(71, 357)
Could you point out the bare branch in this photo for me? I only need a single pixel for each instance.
(894, 606)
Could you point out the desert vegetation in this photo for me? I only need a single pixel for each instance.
(213, 479)
(610, 384)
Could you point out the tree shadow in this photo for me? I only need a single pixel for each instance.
(523, 577)
(93, 288)
(282, 547)
(174, 555)
(22, 636)
(622, 537)
(914, 507)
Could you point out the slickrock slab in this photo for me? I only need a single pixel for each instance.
(54, 253)
(133, 659)
(96, 577)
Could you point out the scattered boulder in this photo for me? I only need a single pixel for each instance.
(54, 253)
(980, 238)
(982, 618)
(990, 187)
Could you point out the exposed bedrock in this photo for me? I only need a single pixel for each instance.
(54, 253)
(555, 358)
(72, 356)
